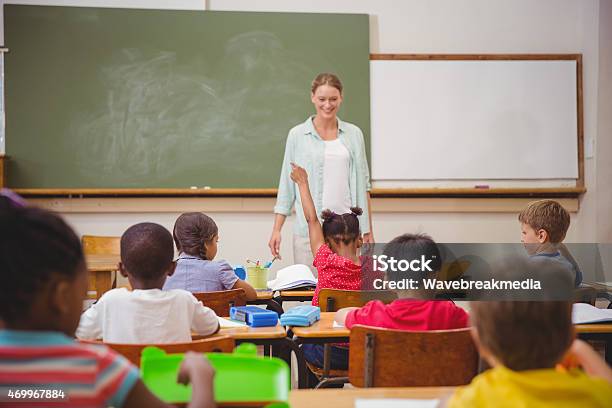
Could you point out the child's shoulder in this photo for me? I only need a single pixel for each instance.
(114, 294)
(324, 250)
(178, 293)
(204, 263)
(325, 256)
(220, 264)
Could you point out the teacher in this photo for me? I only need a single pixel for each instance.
(333, 153)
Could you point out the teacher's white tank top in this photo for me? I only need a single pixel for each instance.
(336, 193)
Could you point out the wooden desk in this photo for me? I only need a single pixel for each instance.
(345, 398)
(605, 328)
(323, 330)
(297, 293)
(294, 296)
(254, 333)
(101, 269)
(265, 294)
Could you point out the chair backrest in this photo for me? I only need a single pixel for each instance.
(217, 343)
(93, 244)
(221, 301)
(585, 294)
(99, 245)
(396, 358)
(330, 300)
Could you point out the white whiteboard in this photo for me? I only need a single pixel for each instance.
(459, 120)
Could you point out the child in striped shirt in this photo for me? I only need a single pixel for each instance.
(44, 282)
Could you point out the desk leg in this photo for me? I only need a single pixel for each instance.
(282, 349)
(302, 369)
(103, 282)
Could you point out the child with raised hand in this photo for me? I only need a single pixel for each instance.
(146, 314)
(532, 349)
(196, 236)
(44, 283)
(335, 247)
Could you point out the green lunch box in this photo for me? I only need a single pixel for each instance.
(241, 376)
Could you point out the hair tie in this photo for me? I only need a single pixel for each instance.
(15, 200)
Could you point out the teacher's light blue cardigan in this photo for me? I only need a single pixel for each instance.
(306, 149)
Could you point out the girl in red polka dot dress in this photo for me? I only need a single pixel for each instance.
(335, 247)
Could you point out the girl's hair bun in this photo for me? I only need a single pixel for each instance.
(356, 211)
(327, 215)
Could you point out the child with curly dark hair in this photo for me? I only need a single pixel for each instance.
(335, 247)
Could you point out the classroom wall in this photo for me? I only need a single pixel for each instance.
(443, 26)
(604, 125)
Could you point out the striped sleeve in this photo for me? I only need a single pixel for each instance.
(115, 379)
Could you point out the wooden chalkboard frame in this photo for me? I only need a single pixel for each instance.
(271, 192)
(376, 192)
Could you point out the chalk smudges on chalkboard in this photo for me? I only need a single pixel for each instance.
(165, 111)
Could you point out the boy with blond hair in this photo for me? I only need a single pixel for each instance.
(544, 224)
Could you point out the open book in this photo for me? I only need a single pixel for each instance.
(293, 277)
(585, 313)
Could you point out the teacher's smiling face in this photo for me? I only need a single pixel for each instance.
(327, 100)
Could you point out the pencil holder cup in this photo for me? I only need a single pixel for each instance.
(257, 276)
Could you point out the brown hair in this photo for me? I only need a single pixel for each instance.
(341, 227)
(524, 335)
(409, 247)
(191, 231)
(527, 335)
(548, 215)
(326, 79)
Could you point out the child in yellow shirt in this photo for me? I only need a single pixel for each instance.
(526, 342)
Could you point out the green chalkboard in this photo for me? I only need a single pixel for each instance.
(125, 98)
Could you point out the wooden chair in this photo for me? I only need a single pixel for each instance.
(331, 300)
(217, 343)
(101, 245)
(221, 301)
(396, 358)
